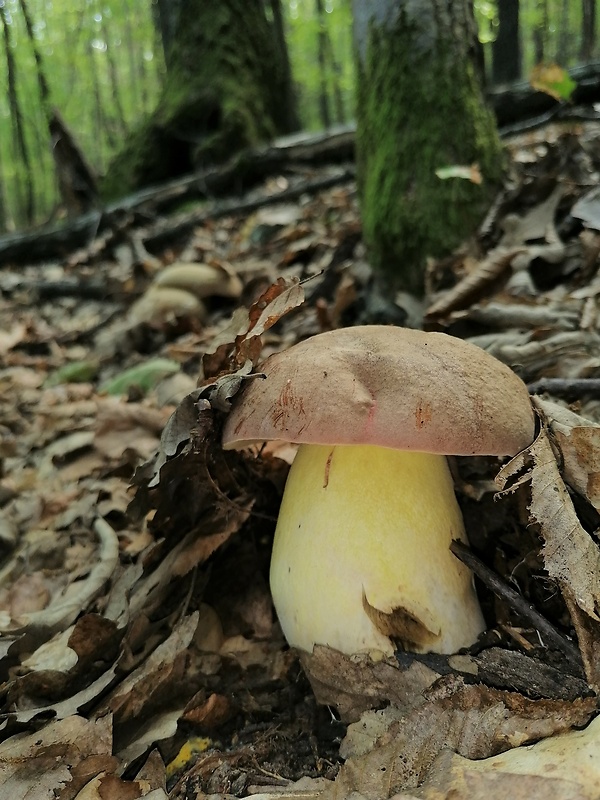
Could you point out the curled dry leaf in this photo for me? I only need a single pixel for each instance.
(64, 608)
(240, 341)
(564, 767)
(571, 556)
(566, 354)
(158, 675)
(68, 752)
(486, 279)
(354, 685)
(474, 721)
(579, 441)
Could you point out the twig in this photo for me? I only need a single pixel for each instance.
(518, 603)
(566, 387)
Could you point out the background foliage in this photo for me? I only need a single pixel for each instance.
(104, 64)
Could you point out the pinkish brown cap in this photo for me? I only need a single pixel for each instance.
(386, 386)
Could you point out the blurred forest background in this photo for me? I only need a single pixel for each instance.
(100, 64)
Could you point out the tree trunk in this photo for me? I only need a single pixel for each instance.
(588, 30)
(26, 203)
(506, 49)
(225, 89)
(293, 121)
(562, 52)
(324, 112)
(420, 108)
(540, 31)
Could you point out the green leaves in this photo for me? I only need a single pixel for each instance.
(142, 378)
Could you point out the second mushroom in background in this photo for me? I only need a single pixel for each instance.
(361, 558)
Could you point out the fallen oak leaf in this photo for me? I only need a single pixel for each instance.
(240, 340)
(473, 720)
(52, 758)
(562, 767)
(579, 441)
(571, 557)
(65, 608)
(485, 279)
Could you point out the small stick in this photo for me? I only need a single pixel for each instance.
(518, 603)
(569, 387)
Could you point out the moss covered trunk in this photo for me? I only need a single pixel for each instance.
(226, 88)
(420, 108)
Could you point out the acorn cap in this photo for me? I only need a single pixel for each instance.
(387, 386)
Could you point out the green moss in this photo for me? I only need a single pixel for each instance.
(419, 112)
(222, 94)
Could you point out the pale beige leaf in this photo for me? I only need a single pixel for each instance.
(564, 767)
(579, 442)
(570, 554)
(35, 765)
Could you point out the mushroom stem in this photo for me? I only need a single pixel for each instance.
(361, 557)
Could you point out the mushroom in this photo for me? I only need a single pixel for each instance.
(361, 556)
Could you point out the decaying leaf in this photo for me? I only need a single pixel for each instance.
(485, 279)
(553, 80)
(66, 606)
(69, 752)
(564, 767)
(579, 441)
(571, 556)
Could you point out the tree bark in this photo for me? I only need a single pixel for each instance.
(324, 112)
(420, 108)
(506, 49)
(540, 31)
(562, 52)
(226, 89)
(588, 30)
(17, 121)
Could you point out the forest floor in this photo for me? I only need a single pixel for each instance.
(139, 652)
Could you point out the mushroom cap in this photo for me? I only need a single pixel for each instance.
(387, 386)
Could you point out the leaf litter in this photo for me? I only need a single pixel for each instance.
(140, 656)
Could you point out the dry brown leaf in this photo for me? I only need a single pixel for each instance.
(484, 280)
(570, 554)
(158, 675)
(474, 721)
(8, 339)
(120, 426)
(355, 684)
(38, 764)
(564, 767)
(68, 602)
(579, 441)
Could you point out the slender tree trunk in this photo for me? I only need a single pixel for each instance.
(588, 30)
(420, 108)
(113, 74)
(167, 19)
(540, 31)
(324, 112)
(98, 118)
(506, 49)
(293, 122)
(6, 222)
(335, 78)
(562, 52)
(40, 71)
(26, 193)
